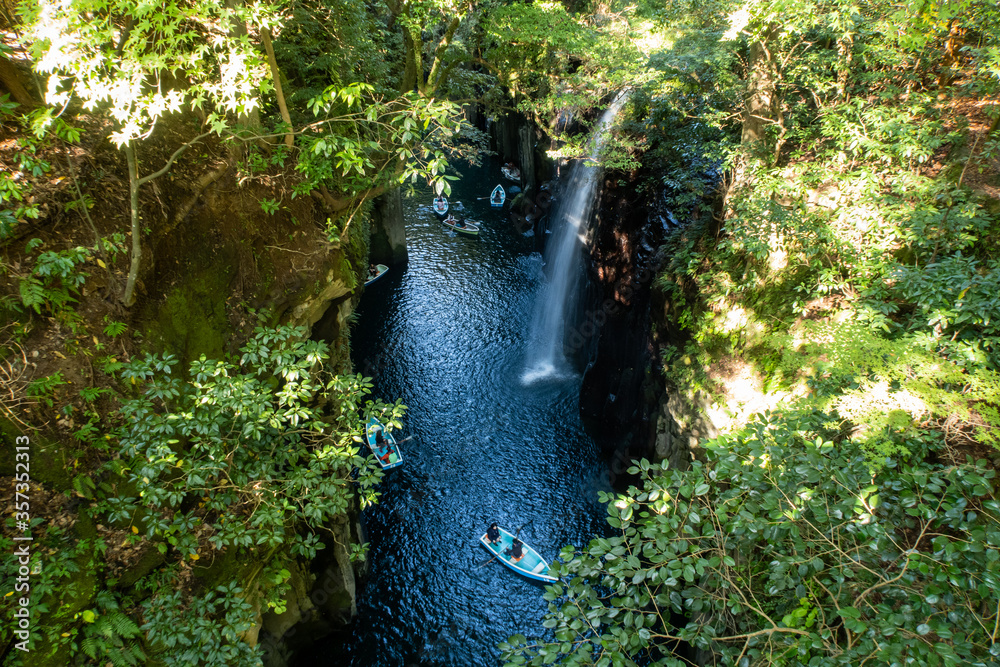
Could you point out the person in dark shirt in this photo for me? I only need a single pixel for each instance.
(382, 449)
(493, 533)
(516, 552)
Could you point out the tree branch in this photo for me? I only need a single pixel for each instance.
(173, 158)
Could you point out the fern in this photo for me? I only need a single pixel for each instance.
(121, 625)
(110, 634)
(90, 647)
(33, 294)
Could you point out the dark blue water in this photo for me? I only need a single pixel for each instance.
(447, 335)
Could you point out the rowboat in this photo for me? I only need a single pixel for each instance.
(468, 227)
(380, 270)
(511, 172)
(441, 205)
(387, 456)
(498, 197)
(530, 564)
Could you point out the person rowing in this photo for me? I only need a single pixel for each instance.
(516, 551)
(382, 449)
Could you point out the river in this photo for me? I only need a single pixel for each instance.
(446, 333)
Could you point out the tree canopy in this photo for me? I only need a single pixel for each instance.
(835, 167)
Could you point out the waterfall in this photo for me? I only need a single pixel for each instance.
(546, 357)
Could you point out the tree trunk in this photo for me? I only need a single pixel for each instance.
(10, 79)
(439, 53)
(265, 36)
(410, 73)
(845, 51)
(761, 101)
(417, 55)
(133, 195)
(951, 48)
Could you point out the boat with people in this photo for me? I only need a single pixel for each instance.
(441, 205)
(385, 448)
(498, 197)
(511, 172)
(516, 555)
(375, 272)
(461, 225)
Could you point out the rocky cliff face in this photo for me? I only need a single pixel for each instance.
(388, 239)
(286, 268)
(322, 601)
(623, 382)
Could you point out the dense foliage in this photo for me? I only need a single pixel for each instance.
(833, 162)
(848, 268)
(781, 548)
(267, 447)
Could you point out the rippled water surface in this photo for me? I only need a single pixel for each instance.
(446, 333)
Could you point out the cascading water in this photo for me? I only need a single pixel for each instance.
(546, 357)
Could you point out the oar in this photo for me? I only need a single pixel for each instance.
(517, 533)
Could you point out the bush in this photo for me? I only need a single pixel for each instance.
(781, 548)
(247, 454)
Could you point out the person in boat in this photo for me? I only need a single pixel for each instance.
(496, 197)
(439, 202)
(516, 551)
(461, 223)
(493, 533)
(382, 449)
(450, 219)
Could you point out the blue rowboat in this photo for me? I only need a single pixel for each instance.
(380, 270)
(388, 456)
(498, 197)
(441, 206)
(530, 564)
